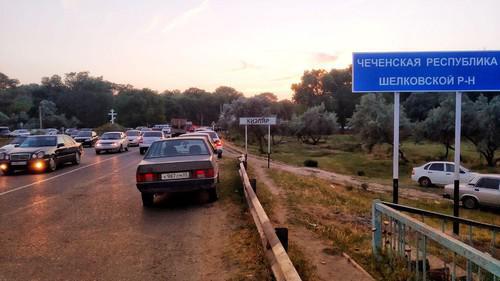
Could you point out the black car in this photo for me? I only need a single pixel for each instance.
(87, 138)
(41, 153)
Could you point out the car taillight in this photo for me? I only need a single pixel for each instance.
(200, 174)
(144, 177)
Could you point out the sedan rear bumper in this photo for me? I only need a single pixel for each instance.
(176, 186)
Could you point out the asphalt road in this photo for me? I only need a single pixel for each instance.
(86, 222)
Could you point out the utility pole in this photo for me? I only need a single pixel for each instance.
(40, 115)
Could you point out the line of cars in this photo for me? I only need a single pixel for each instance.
(475, 189)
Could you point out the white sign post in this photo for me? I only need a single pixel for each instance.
(113, 114)
(395, 151)
(259, 121)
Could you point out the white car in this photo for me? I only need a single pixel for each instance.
(484, 189)
(112, 142)
(133, 136)
(20, 132)
(439, 173)
(148, 137)
(216, 139)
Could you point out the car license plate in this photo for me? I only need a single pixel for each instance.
(19, 163)
(173, 176)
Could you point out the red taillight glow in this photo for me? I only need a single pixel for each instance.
(145, 177)
(200, 174)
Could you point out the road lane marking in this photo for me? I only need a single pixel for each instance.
(58, 176)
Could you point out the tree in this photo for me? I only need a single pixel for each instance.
(439, 126)
(6, 82)
(418, 105)
(315, 123)
(481, 126)
(373, 122)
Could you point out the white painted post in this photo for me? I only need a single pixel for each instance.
(246, 139)
(458, 125)
(395, 152)
(268, 145)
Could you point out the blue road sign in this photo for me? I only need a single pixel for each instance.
(464, 71)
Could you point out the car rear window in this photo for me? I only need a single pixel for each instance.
(178, 147)
(152, 134)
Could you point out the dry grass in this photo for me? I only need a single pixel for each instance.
(343, 216)
(244, 253)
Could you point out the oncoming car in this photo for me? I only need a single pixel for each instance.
(41, 153)
(177, 165)
(112, 142)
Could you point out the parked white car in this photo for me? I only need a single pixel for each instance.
(439, 173)
(20, 132)
(483, 189)
(148, 137)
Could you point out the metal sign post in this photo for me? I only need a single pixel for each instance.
(259, 121)
(395, 151)
(458, 125)
(455, 71)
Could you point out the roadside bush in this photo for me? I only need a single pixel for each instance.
(311, 163)
(109, 128)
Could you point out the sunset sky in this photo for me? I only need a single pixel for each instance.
(254, 46)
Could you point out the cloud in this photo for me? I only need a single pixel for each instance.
(245, 66)
(69, 5)
(284, 78)
(324, 57)
(185, 17)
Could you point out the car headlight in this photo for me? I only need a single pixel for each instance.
(38, 155)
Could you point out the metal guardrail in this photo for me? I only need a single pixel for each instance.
(398, 235)
(281, 265)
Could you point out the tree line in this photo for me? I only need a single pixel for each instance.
(322, 104)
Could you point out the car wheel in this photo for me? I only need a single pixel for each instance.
(469, 203)
(212, 195)
(76, 159)
(52, 165)
(97, 152)
(141, 151)
(126, 148)
(121, 149)
(219, 155)
(147, 199)
(425, 181)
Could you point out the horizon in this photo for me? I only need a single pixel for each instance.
(252, 47)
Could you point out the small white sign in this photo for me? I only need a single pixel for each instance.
(258, 121)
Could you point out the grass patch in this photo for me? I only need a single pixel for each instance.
(343, 154)
(244, 251)
(343, 216)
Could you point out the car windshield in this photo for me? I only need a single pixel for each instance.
(18, 140)
(84, 134)
(152, 134)
(111, 136)
(178, 147)
(39, 141)
(133, 133)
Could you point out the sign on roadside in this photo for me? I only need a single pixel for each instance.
(259, 121)
(264, 121)
(465, 71)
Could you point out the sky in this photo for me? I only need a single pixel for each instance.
(253, 46)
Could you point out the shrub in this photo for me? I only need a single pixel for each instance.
(310, 163)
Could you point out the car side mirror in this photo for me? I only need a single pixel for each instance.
(60, 145)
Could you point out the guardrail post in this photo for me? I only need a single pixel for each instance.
(377, 229)
(282, 233)
(253, 183)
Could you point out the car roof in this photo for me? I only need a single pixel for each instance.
(497, 176)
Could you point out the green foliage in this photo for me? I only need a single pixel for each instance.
(314, 124)
(373, 121)
(108, 127)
